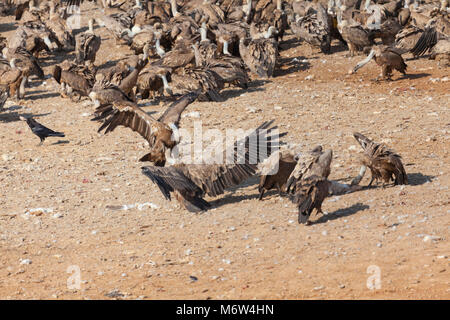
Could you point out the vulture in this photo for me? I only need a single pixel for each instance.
(202, 79)
(25, 62)
(58, 26)
(11, 78)
(260, 55)
(355, 35)
(308, 185)
(161, 134)
(3, 97)
(41, 131)
(74, 78)
(309, 195)
(87, 45)
(315, 162)
(314, 28)
(189, 183)
(386, 57)
(153, 78)
(104, 93)
(441, 53)
(383, 163)
(275, 173)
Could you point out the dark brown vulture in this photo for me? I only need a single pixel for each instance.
(191, 182)
(308, 182)
(383, 163)
(285, 164)
(386, 57)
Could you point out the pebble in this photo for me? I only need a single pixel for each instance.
(7, 157)
(319, 288)
(428, 238)
(25, 261)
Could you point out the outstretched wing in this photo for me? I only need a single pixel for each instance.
(127, 114)
(173, 112)
(425, 43)
(246, 154)
(213, 179)
(169, 179)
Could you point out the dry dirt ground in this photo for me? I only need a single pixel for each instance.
(242, 248)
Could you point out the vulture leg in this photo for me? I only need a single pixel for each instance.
(261, 194)
(22, 87)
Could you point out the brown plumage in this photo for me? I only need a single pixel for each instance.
(259, 55)
(308, 185)
(201, 79)
(314, 28)
(152, 79)
(386, 57)
(441, 53)
(10, 78)
(87, 45)
(3, 97)
(383, 163)
(314, 162)
(74, 78)
(159, 133)
(309, 195)
(286, 164)
(191, 182)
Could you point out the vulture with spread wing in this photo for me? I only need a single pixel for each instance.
(191, 182)
(161, 133)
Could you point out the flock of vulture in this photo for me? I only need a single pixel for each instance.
(189, 50)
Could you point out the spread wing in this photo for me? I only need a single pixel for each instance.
(173, 112)
(213, 179)
(425, 43)
(169, 179)
(127, 114)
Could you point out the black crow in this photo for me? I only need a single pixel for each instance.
(41, 131)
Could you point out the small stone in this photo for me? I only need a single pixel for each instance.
(25, 261)
(319, 288)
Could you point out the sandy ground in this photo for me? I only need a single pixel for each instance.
(376, 243)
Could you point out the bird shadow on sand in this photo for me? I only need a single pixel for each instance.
(340, 213)
(5, 27)
(35, 95)
(253, 86)
(289, 44)
(417, 179)
(295, 64)
(60, 142)
(15, 116)
(230, 199)
(413, 76)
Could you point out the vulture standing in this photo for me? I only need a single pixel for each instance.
(87, 45)
(260, 55)
(283, 163)
(383, 163)
(191, 182)
(386, 57)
